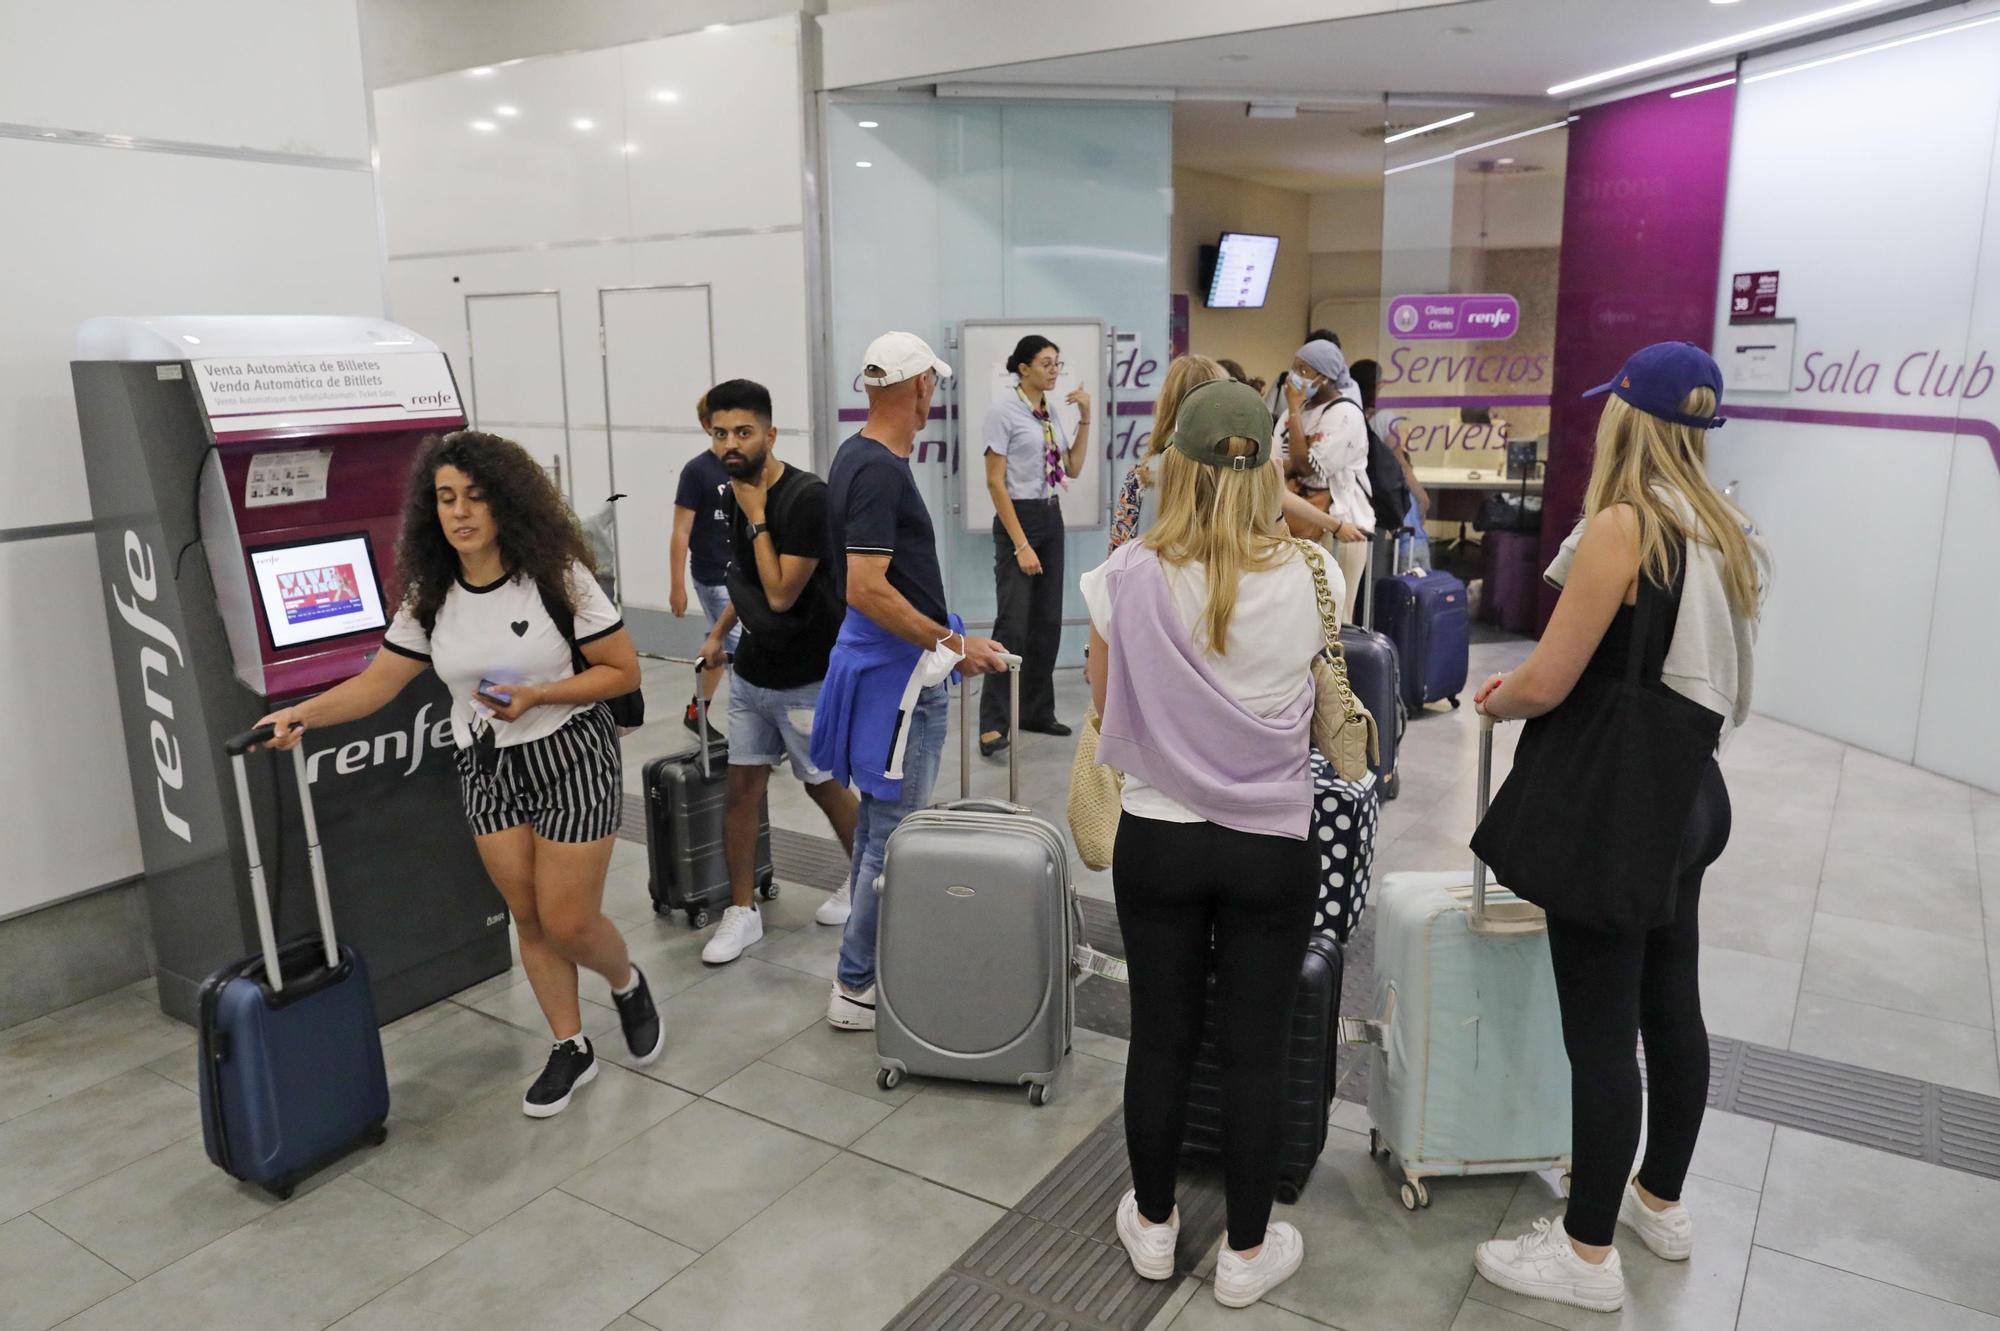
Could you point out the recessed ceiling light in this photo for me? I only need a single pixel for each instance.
(716, 27)
(1503, 161)
(479, 73)
(190, 339)
(509, 111)
(869, 124)
(1435, 124)
(484, 126)
(666, 95)
(1735, 41)
(1722, 2)
(1475, 147)
(864, 165)
(584, 123)
(1703, 87)
(629, 149)
(1839, 56)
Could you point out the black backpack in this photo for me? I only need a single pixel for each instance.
(628, 710)
(1391, 495)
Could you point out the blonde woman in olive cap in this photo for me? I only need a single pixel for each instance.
(1202, 639)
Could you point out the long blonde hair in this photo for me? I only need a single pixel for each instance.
(1223, 520)
(1181, 377)
(1645, 461)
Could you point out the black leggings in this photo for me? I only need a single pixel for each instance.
(1616, 988)
(1182, 888)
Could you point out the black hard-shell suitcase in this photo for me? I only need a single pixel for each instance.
(1374, 672)
(686, 796)
(1308, 1092)
(289, 1057)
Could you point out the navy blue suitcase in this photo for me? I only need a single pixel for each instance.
(291, 1066)
(1425, 615)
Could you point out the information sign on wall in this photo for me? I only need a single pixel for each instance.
(1486, 318)
(1753, 296)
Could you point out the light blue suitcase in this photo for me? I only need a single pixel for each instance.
(1468, 1073)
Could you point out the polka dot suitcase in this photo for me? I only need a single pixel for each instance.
(1344, 819)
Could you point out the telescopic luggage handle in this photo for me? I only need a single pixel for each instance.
(1013, 664)
(236, 746)
(1512, 916)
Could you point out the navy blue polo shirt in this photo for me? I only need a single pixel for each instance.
(875, 509)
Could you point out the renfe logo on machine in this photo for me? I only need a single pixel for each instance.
(314, 593)
(143, 575)
(1486, 318)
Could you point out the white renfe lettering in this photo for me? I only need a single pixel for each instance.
(153, 662)
(388, 740)
(417, 739)
(166, 756)
(351, 756)
(140, 571)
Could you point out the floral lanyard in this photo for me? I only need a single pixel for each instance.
(1057, 474)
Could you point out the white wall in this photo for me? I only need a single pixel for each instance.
(702, 189)
(258, 201)
(1870, 184)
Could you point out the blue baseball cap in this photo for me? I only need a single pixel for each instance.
(1657, 379)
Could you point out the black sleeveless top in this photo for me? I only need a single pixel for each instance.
(1610, 658)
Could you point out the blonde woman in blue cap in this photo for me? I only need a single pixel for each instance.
(1662, 583)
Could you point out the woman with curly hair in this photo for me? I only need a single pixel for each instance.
(490, 557)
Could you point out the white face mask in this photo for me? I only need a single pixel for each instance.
(1308, 384)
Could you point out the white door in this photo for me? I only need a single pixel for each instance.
(516, 374)
(659, 358)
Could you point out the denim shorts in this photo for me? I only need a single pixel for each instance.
(768, 726)
(714, 598)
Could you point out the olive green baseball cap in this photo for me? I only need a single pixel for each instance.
(1217, 411)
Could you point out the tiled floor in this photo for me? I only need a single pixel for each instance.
(756, 1178)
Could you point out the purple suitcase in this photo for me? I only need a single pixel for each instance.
(1513, 580)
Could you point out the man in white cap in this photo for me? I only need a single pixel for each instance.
(898, 625)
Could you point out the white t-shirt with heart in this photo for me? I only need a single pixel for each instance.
(503, 633)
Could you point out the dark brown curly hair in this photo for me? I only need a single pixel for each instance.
(539, 534)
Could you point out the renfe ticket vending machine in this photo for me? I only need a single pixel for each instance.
(247, 481)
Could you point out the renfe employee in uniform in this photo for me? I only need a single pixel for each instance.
(488, 546)
(1029, 463)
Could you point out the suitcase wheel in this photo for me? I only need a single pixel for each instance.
(378, 1134)
(768, 889)
(698, 917)
(1039, 1094)
(1376, 1150)
(281, 1189)
(1415, 1195)
(889, 1078)
(1454, 704)
(1288, 1191)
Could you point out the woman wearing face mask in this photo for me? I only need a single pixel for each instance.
(1323, 439)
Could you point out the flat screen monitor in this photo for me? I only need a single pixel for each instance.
(1243, 264)
(318, 589)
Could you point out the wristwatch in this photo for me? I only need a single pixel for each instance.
(757, 529)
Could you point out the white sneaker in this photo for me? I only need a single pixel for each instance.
(1151, 1247)
(1240, 1283)
(849, 1011)
(741, 927)
(836, 908)
(1669, 1233)
(1543, 1264)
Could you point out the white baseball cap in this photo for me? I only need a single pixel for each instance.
(899, 356)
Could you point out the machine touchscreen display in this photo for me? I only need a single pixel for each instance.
(318, 589)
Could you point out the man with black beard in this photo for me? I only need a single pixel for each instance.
(782, 591)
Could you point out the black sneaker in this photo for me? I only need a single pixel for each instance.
(572, 1063)
(645, 1033)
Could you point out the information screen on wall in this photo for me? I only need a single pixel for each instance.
(1243, 264)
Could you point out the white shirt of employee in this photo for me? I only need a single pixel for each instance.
(1017, 452)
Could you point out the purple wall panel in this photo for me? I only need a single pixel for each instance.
(1641, 258)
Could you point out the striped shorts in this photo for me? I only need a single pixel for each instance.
(568, 786)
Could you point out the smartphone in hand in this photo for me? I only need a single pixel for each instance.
(493, 694)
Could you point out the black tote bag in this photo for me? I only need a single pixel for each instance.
(1590, 821)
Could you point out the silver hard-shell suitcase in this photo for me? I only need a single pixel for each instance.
(976, 934)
